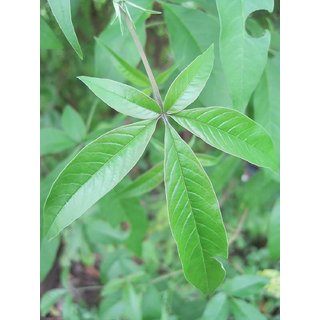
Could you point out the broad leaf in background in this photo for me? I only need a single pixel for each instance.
(231, 132)
(245, 311)
(53, 140)
(123, 98)
(48, 39)
(243, 57)
(194, 215)
(62, 12)
(105, 63)
(151, 304)
(274, 232)
(187, 42)
(50, 298)
(138, 222)
(267, 100)
(188, 85)
(73, 125)
(133, 303)
(144, 183)
(217, 308)
(244, 285)
(97, 168)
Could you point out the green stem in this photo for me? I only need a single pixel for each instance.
(154, 86)
(92, 111)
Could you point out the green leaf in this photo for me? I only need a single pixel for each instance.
(132, 302)
(48, 39)
(50, 298)
(267, 101)
(274, 232)
(137, 219)
(231, 132)
(245, 311)
(53, 140)
(129, 72)
(123, 98)
(151, 304)
(188, 85)
(97, 168)
(105, 63)
(144, 183)
(243, 57)
(244, 285)
(208, 160)
(186, 40)
(194, 215)
(73, 125)
(48, 253)
(62, 12)
(217, 308)
(162, 77)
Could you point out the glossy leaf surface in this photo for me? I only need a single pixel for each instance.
(188, 85)
(194, 215)
(243, 57)
(61, 10)
(231, 132)
(93, 172)
(123, 98)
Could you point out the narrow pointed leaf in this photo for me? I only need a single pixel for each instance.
(48, 39)
(96, 169)
(231, 132)
(129, 72)
(123, 98)
(145, 183)
(194, 215)
(243, 57)
(188, 85)
(61, 10)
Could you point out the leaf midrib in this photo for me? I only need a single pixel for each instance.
(99, 170)
(224, 132)
(189, 205)
(134, 90)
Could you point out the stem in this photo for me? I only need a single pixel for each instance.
(92, 110)
(154, 86)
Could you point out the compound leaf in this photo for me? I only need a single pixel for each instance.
(232, 132)
(194, 215)
(123, 98)
(96, 169)
(188, 85)
(243, 57)
(61, 10)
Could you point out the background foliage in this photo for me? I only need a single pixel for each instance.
(119, 260)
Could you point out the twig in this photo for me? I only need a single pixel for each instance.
(238, 230)
(154, 86)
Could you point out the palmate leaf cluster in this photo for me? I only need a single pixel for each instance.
(194, 213)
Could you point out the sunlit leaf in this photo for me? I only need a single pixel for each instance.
(93, 172)
(194, 215)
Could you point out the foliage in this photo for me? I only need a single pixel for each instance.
(115, 230)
